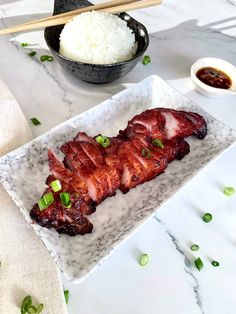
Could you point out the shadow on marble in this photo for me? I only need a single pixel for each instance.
(174, 50)
(110, 88)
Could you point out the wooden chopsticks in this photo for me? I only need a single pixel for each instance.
(114, 7)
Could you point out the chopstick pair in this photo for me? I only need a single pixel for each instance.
(113, 7)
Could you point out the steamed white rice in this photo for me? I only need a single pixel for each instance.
(97, 38)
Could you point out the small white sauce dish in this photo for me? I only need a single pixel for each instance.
(215, 63)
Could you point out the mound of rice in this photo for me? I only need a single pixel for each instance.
(97, 38)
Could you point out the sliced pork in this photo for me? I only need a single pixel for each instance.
(91, 172)
(166, 124)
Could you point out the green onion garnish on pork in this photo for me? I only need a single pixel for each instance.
(46, 201)
(103, 141)
(56, 185)
(157, 142)
(48, 198)
(146, 152)
(65, 199)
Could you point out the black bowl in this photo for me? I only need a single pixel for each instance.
(95, 73)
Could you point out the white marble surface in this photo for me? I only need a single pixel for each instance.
(180, 33)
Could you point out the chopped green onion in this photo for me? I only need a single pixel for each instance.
(215, 263)
(26, 303)
(157, 142)
(48, 198)
(229, 190)
(144, 259)
(198, 263)
(39, 308)
(45, 201)
(146, 152)
(28, 308)
(207, 217)
(194, 247)
(76, 194)
(44, 58)
(50, 58)
(103, 141)
(146, 60)
(66, 294)
(42, 204)
(32, 53)
(31, 309)
(56, 185)
(35, 121)
(24, 44)
(65, 199)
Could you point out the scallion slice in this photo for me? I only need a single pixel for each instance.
(56, 185)
(146, 60)
(31, 309)
(26, 303)
(32, 53)
(198, 263)
(65, 199)
(207, 217)
(66, 294)
(28, 308)
(24, 44)
(146, 152)
(35, 121)
(194, 247)
(144, 259)
(229, 190)
(45, 201)
(157, 142)
(39, 308)
(50, 58)
(42, 204)
(48, 198)
(104, 141)
(44, 58)
(215, 263)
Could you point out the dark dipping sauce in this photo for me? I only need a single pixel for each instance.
(214, 77)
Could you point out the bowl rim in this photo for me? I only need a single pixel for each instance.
(207, 88)
(136, 56)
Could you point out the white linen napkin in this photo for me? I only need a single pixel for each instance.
(26, 266)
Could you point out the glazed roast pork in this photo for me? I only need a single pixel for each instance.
(91, 171)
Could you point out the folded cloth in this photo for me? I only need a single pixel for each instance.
(26, 266)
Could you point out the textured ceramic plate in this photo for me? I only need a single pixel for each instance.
(23, 172)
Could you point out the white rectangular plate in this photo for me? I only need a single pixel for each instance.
(23, 173)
